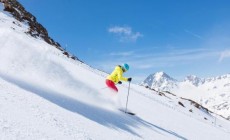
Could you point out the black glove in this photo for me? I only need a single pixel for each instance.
(119, 82)
(129, 79)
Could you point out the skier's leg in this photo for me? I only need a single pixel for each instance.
(111, 85)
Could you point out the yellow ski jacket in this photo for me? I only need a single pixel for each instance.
(116, 75)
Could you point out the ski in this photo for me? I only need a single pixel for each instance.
(130, 113)
(127, 112)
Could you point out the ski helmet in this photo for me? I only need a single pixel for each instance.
(126, 67)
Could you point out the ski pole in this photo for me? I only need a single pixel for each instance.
(127, 98)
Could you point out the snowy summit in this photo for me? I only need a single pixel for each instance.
(159, 81)
(196, 81)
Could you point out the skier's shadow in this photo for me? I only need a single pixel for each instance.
(157, 128)
(99, 115)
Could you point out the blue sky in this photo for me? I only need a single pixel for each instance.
(179, 37)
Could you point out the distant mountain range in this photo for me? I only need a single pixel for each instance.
(213, 93)
(161, 81)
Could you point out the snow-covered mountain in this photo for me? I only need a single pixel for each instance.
(194, 80)
(46, 94)
(160, 81)
(213, 93)
(163, 82)
(34, 28)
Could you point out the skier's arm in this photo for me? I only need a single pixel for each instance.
(120, 77)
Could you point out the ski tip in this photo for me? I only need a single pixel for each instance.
(130, 113)
(127, 112)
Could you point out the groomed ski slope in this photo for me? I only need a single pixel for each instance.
(45, 95)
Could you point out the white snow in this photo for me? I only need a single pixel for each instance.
(45, 95)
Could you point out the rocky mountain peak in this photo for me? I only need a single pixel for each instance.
(160, 75)
(196, 81)
(159, 81)
(35, 28)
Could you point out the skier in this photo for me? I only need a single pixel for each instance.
(116, 76)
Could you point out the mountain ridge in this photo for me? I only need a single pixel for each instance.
(213, 93)
(193, 79)
(35, 29)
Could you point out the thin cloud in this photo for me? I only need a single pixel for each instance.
(122, 54)
(171, 58)
(193, 34)
(125, 34)
(150, 61)
(224, 55)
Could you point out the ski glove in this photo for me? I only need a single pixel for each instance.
(119, 82)
(129, 79)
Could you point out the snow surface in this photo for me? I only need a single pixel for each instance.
(45, 95)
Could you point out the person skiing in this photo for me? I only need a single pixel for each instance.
(116, 77)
